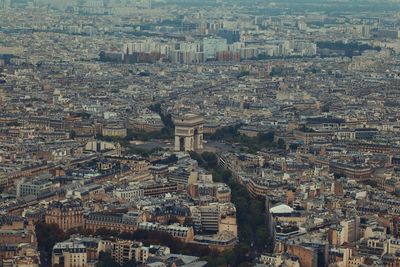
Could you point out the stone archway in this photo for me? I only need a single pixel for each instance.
(196, 139)
(189, 133)
(182, 144)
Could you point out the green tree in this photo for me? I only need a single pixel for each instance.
(48, 235)
(281, 143)
(250, 213)
(210, 159)
(105, 260)
(261, 237)
(131, 263)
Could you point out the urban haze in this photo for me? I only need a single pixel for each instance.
(190, 133)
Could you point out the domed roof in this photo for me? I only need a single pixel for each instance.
(281, 209)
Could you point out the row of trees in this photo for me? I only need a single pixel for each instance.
(232, 135)
(105, 260)
(250, 214)
(253, 236)
(50, 234)
(166, 119)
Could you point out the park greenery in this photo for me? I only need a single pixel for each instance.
(125, 142)
(167, 132)
(243, 73)
(106, 260)
(167, 161)
(229, 134)
(249, 144)
(351, 49)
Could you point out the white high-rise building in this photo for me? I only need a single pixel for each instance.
(211, 46)
(5, 4)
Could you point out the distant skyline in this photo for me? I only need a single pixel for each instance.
(206, 133)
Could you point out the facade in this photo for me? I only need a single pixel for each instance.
(181, 232)
(350, 170)
(122, 251)
(231, 36)
(159, 171)
(179, 176)
(212, 46)
(393, 245)
(128, 193)
(22, 255)
(36, 188)
(159, 189)
(189, 133)
(307, 256)
(351, 230)
(13, 230)
(223, 241)
(220, 191)
(309, 137)
(3, 179)
(206, 219)
(345, 135)
(67, 214)
(114, 221)
(114, 131)
(126, 250)
(261, 187)
(210, 218)
(69, 254)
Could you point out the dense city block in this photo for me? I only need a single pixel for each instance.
(166, 133)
